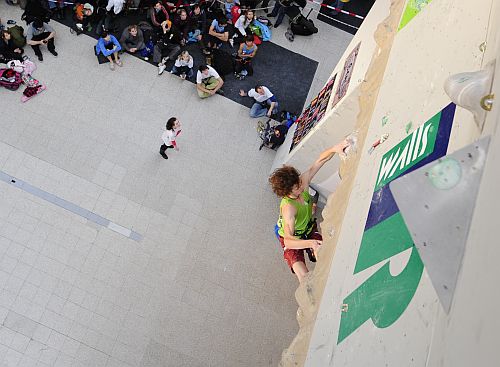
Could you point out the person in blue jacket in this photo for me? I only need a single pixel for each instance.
(109, 47)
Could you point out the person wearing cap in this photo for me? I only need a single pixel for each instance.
(169, 42)
(41, 34)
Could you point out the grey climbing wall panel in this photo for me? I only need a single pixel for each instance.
(437, 203)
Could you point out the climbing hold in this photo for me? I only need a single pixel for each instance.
(352, 140)
(385, 119)
(383, 138)
(408, 127)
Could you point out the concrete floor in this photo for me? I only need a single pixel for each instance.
(206, 286)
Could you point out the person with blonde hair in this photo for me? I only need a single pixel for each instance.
(183, 66)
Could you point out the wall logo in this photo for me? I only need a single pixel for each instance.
(382, 297)
(413, 7)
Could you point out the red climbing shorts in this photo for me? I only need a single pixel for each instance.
(293, 256)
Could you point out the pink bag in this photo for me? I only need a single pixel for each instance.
(26, 67)
(16, 65)
(29, 67)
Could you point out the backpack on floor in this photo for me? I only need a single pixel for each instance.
(222, 62)
(17, 34)
(16, 65)
(303, 27)
(10, 79)
(26, 67)
(148, 50)
(147, 31)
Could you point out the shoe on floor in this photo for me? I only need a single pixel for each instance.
(161, 68)
(220, 92)
(40, 58)
(53, 52)
(164, 155)
(183, 76)
(119, 63)
(112, 66)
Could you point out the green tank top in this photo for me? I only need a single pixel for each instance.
(302, 217)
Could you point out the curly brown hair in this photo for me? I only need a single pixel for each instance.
(284, 179)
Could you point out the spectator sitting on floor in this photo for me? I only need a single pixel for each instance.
(278, 137)
(132, 39)
(82, 17)
(158, 14)
(109, 46)
(218, 33)
(40, 33)
(57, 8)
(35, 10)
(182, 23)
(169, 41)
(242, 25)
(279, 11)
(265, 101)
(246, 53)
(198, 25)
(8, 50)
(183, 66)
(208, 81)
(113, 8)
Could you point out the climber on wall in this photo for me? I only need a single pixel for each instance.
(298, 230)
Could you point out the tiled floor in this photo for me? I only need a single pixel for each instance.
(206, 285)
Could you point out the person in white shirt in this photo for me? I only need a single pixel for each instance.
(265, 101)
(116, 5)
(183, 65)
(113, 8)
(169, 136)
(242, 24)
(208, 81)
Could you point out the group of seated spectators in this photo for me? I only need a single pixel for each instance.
(170, 28)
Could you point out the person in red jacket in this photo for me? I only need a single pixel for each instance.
(158, 14)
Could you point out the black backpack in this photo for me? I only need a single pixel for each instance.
(303, 27)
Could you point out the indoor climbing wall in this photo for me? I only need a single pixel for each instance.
(378, 302)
